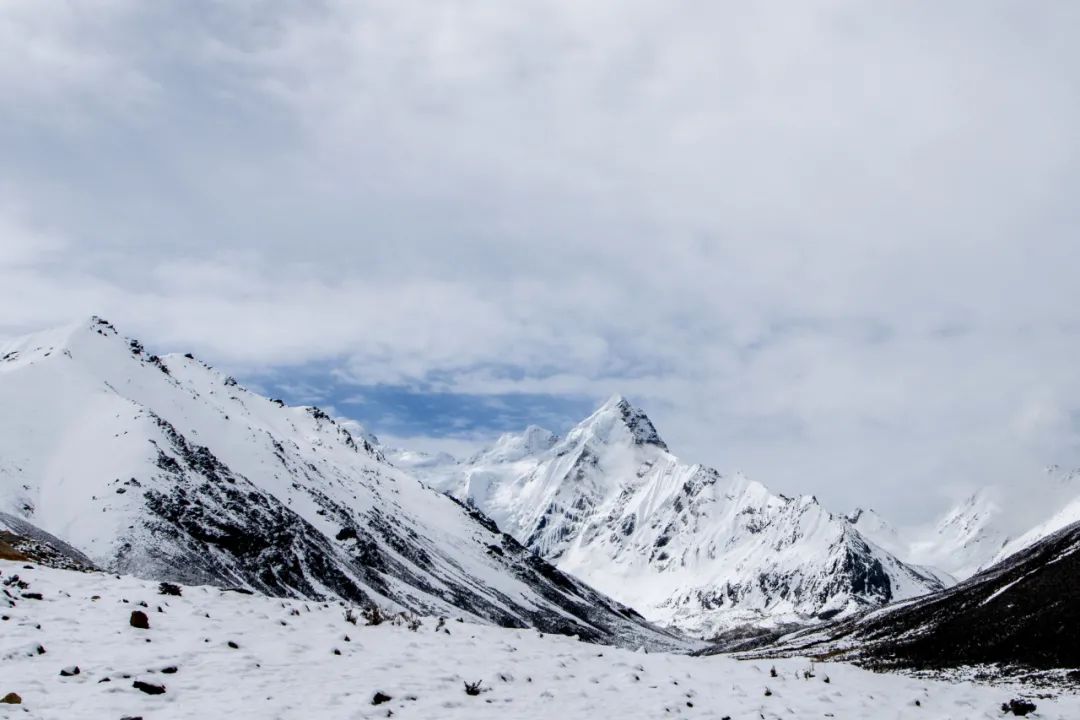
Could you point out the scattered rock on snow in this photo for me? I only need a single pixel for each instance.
(140, 620)
(70, 671)
(380, 698)
(1018, 706)
(168, 588)
(11, 699)
(148, 688)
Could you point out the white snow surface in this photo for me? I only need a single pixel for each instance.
(681, 543)
(284, 667)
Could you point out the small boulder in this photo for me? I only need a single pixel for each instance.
(169, 670)
(140, 620)
(70, 671)
(233, 645)
(1018, 706)
(168, 588)
(11, 699)
(380, 698)
(148, 688)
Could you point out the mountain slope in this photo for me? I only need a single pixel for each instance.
(1068, 514)
(166, 469)
(682, 543)
(965, 539)
(1023, 612)
(986, 527)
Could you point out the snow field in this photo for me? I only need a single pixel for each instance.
(291, 660)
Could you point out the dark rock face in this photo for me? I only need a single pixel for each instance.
(640, 426)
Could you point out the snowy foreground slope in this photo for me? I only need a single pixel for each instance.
(167, 469)
(220, 654)
(682, 543)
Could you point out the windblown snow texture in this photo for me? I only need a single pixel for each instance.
(166, 469)
(682, 543)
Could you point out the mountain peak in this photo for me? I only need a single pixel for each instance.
(619, 412)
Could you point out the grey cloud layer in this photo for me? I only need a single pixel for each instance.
(831, 244)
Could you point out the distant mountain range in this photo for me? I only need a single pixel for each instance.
(980, 530)
(686, 545)
(164, 468)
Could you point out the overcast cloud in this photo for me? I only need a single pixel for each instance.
(831, 244)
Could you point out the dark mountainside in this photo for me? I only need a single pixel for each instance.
(1022, 614)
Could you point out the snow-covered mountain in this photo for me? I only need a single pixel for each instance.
(878, 530)
(684, 544)
(978, 531)
(964, 539)
(167, 469)
(1068, 513)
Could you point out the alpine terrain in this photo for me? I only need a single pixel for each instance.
(1018, 616)
(712, 554)
(163, 468)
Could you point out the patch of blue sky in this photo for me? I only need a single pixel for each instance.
(423, 408)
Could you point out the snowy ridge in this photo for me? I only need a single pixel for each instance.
(167, 469)
(1064, 517)
(965, 538)
(682, 543)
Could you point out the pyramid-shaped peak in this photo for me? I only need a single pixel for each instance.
(619, 412)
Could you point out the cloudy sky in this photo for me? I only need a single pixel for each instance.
(831, 244)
